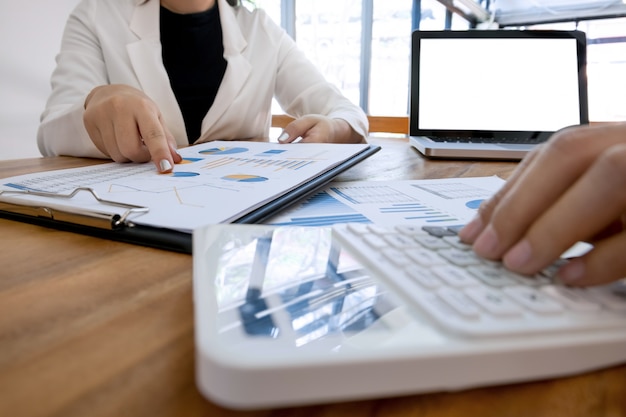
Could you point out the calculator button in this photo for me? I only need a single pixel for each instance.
(397, 257)
(431, 242)
(533, 299)
(438, 231)
(457, 243)
(494, 301)
(459, 302)
(410, 230)
(424, 277)
(425, 257)
(358, 228)
(399, 241)
(613, 300)
(574, 299)
(494, 276)
(460, 257)
(375, 241)
(454, 276)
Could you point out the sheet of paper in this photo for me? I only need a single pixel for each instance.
(217, 182)
(441, 202)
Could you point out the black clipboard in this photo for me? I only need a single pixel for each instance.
(116, 227)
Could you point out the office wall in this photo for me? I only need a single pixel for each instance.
(30, 37)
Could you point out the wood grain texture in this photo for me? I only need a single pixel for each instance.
(91, 327)
(384, 124)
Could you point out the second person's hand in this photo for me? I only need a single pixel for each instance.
(126, 125)
(318, 128)
(570, 190)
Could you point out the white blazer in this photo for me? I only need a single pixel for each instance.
(118, 42)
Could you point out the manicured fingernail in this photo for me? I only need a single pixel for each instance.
(283, 137)
(486, 243)
(573, 272)
(165, 165)
(470, 232)
(518, 256)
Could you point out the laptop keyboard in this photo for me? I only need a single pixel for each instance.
(433, 271)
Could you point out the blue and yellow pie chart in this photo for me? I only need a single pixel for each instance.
(190, 160)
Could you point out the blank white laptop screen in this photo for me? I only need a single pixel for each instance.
(508, 88)
(492, 82)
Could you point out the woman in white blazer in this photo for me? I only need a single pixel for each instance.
(112, 98)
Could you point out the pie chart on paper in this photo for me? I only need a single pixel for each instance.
(474, 204)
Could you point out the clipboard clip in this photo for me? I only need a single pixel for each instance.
(74, 215)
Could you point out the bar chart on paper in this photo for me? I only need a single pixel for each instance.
(442, 202)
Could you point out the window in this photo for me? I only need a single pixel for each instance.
(329, 32)
(517, 12)
(605, 28)
(371, 70)
(363, 46)
(606, 65)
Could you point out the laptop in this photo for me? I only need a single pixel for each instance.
(494, 94)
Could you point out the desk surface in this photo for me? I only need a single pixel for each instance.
(101, 328)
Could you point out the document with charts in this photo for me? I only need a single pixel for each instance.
(217, 182)
(426, 202)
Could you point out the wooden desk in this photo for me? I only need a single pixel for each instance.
(91, 327)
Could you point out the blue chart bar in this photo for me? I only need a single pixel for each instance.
(435, 219)
(325, 220)
(316, 212)
(419, 211)
(405, 208)
(302, 164)
(19, 186)
(323, 202)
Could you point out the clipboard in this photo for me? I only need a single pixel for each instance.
(120, 227)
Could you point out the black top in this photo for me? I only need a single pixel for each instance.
(193, 55)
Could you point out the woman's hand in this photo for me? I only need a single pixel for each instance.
(571, 189)
(317, 128)
(126, 125)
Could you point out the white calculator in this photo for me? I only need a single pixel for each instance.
(300, 315)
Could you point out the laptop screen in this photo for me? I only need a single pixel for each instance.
(490, 83)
